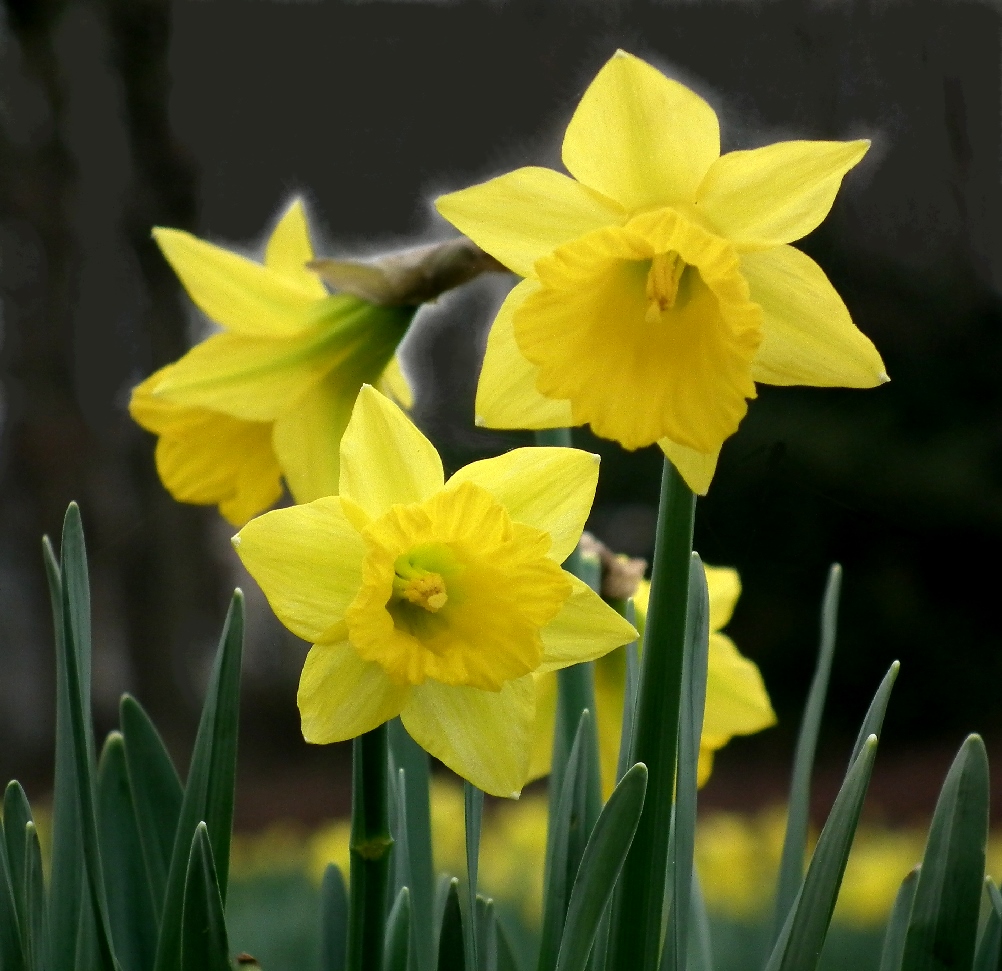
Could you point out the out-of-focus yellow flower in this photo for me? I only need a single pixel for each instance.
(269, 396)
(659, 286)
(736, 700)
(513, 854)
(879, 861)
(436, 601)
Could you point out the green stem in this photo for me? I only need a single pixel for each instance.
(636, 935)
(371, 845)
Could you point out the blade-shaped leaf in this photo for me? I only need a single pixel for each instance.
(987, 956)
(34, 897)
(451, 949)
(897, 924)
(701, 948)
(333, 920)
(506, 951)
(487, 935)
(791, 867)
(629, 698)
(208, 794)
(944, 918)
(398, 931)
(203, 932)
(873, 723)
(11, 954)
(600, 868)
(156, 794)
(473, 799)
(16, 815)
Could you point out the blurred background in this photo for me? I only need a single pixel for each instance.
(118, 115)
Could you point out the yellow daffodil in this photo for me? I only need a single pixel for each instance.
(736, 700)
(433, 600)
(659, 286)
(270, 395)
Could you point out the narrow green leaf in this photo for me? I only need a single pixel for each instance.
(203, 930)
(17, 815)
(156, 794)
(398, 932)
(701, 946)
(802, 936)
(506, 952)
(451, 949)
(130, 902)
(629, 698)
(398, 829)
(208, 794)
(791, 867)
(413, 759)
(989, 946)
(944, 917)
(473, 799)
(873, 723)
(34, 897)
(564, 847)
(893, 950)
(333, 920)
(600, 868)
(11, 954)
(487, 935)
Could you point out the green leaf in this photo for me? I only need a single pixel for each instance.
(400, 859)
(451, 950)
(600, 868)
(156, 794)
(564, 846)
(413, 759)
(799, 945)
(203, 933)
(629, 698)
(506, 952)
(988, 953)
(17, 815)
(130, 902)
(944, 919)
(76, 658)
(11, 955)
(397, 944)
(208, 794)
(791, 867)
(873, 723)
(473, 799)
(34, 897)
(693, 701)
(700, 948)
(487, 935)
(893, 949)
(333, 920)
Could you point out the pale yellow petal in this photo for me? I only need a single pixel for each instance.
(308, 561)
(525, 214)
(724, 586)
(551, 489)
(342, 696)
(585, 629)
(736, 700)
(506, 394)
(777, 193)
(289, 250)
(481, 735)
(395, 385)
(704, 767)
(384, 458)
(640, 138)
(696, 468)
(808, 336)
(241, 295)
(307, 438)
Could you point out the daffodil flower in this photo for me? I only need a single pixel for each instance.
(736, 700)
(268, 397)
(659, 286)
(435, 601)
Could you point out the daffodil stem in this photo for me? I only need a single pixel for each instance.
(371, 845)
(636, 934)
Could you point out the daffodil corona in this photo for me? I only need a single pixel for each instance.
(436, 601)
(269, 396)
(659, 286)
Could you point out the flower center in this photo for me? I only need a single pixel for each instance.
(663, 283)
(418, 586)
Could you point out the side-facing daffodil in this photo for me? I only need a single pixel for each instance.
(659, 283)
(736, 700)
(435, 601)
(269, 396)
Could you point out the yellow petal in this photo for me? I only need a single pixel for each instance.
(525, 214)
(696, 468)
(307, 438)
(308, 561)
(342, 696)
(736, 700)
(610, 684)
(384, 458)
(704, 767)
(289, 250)
(551, 489)
(541, 749)
(481, 735)
(724, 586)
(640, 138)
(808, 336)
(236, 292)
(506, 394)
(394, 384)
(585, 629)
(778, 193)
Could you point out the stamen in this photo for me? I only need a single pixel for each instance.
(662, 284)
(422, 588)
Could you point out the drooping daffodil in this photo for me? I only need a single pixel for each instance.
(659, 284)
(737, 702)
(434, 600)
(269, 396)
